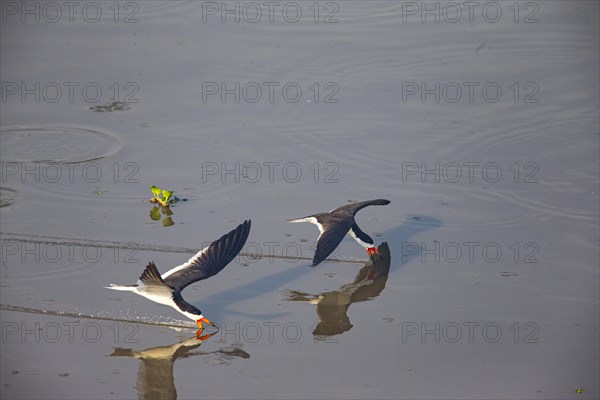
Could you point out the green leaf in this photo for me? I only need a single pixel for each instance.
(166, 195)
(155, 190)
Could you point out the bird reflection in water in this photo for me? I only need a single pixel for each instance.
(155, 378)
(332, 306)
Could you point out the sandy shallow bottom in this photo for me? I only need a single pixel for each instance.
(493, 286)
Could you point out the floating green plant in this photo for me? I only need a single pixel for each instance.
(162, 196)
(163, 200)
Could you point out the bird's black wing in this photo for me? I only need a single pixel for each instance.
(354, 207)
(209, 261)
(333, 231)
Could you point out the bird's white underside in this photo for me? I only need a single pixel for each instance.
(311, 220)
(363, 244)
(184, 265)
(314, 221)
(157, 296)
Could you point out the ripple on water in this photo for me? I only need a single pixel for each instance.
(7, 196)
(62, 144)
(27, 371)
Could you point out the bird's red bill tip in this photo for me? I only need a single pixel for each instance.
(372, 250)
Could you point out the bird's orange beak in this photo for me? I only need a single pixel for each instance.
(371, 251)
(206, 321)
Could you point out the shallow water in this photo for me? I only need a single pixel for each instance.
(492, 290)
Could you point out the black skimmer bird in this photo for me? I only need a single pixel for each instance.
(335, 224)
(166, 288)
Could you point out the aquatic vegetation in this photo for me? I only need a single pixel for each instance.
(162, 196)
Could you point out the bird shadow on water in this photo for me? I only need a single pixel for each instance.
(397, 240)
(219, 302)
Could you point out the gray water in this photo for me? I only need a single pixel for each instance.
(479, 122)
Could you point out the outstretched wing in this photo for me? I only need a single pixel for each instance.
(333, 231)
(354, 207)
(209, 261)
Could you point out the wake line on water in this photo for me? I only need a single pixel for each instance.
(8, 307)
(63, 241)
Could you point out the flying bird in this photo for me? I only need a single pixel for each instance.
(335, 224)
(166, 288)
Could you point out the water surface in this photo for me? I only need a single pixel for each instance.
(492, 290)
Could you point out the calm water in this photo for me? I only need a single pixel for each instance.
(479, 124)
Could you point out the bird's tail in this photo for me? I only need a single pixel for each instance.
(129, 288)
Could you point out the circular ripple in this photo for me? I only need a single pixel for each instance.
(7, 196)
(66, 145)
